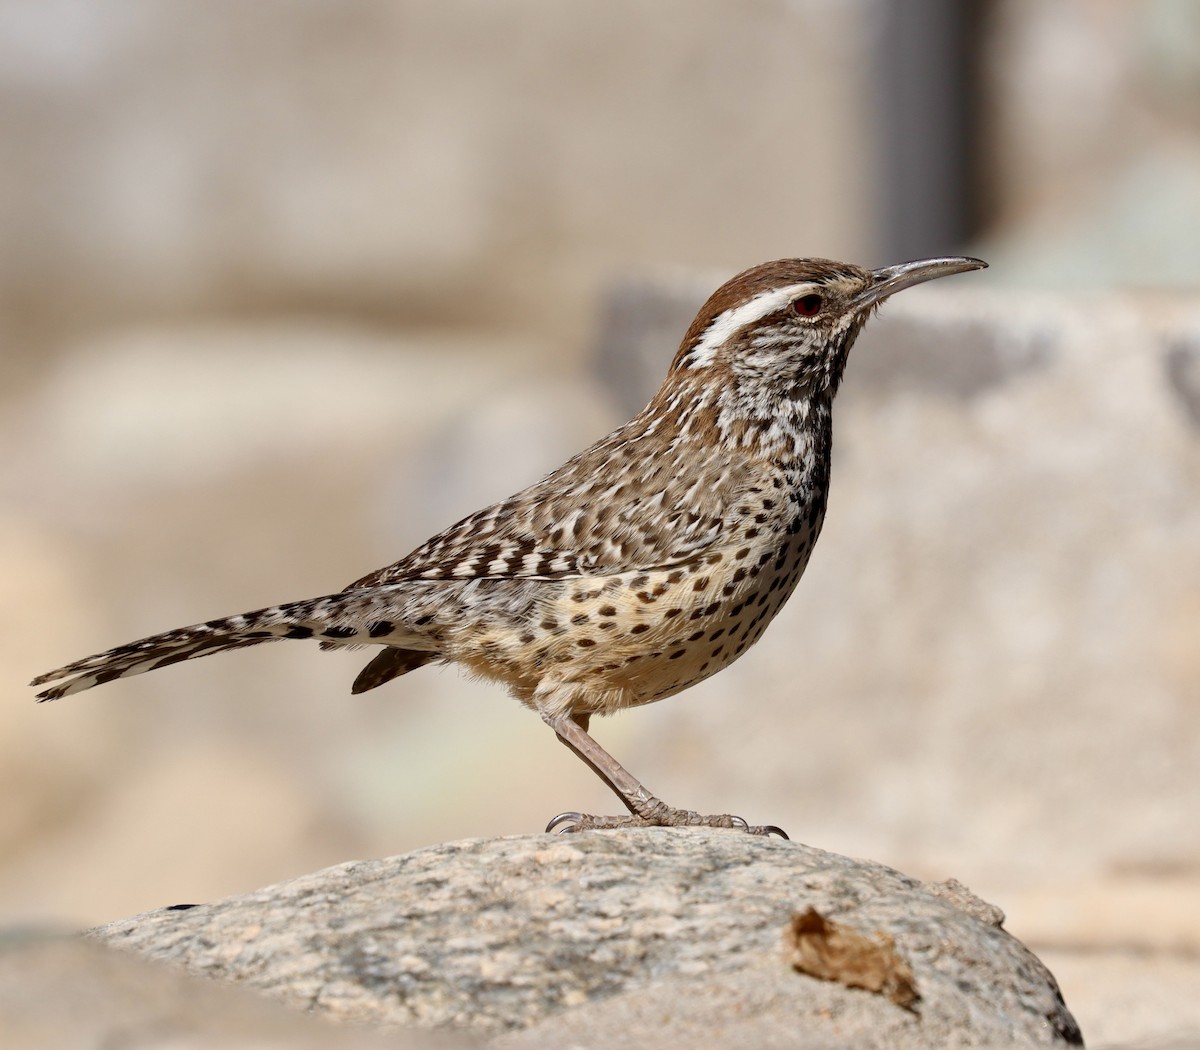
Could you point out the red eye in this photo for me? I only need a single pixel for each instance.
(808, 305)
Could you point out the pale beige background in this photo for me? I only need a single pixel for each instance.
(285, 287)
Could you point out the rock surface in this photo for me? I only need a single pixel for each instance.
(676, 936)
(63, 993)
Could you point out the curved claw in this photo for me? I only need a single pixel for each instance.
(568, 818)
(742, 824)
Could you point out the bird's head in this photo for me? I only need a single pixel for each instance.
(789, 324)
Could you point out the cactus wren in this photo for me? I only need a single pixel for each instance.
(641, 566)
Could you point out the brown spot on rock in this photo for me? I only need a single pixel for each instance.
(831, 951)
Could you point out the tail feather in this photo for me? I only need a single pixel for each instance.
(389, 664)
(346, 618)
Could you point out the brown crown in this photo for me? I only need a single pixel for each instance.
(763, 278)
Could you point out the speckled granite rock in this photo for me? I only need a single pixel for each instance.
(60, 992)
(676, 934)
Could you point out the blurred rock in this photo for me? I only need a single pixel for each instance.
(1090, 153)
(1129, 999)
(507, 436)
(1183, 373)
(390, 159)
(44, 771)
(1148, 911)
(154, 827)
(671, 936)
(157, 406)
(638, 332)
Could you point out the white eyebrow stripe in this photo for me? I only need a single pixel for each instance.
(731, 321)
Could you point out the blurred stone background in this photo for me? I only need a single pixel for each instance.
(286, 287)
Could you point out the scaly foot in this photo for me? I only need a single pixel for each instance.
(571, 822)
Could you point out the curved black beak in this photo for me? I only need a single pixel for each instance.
(888, 280)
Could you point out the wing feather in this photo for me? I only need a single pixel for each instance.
(666, 506)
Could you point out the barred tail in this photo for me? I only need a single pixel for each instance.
(346, 618)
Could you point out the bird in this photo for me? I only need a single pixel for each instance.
(641, 566)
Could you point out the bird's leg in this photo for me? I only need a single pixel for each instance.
(645, 809)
